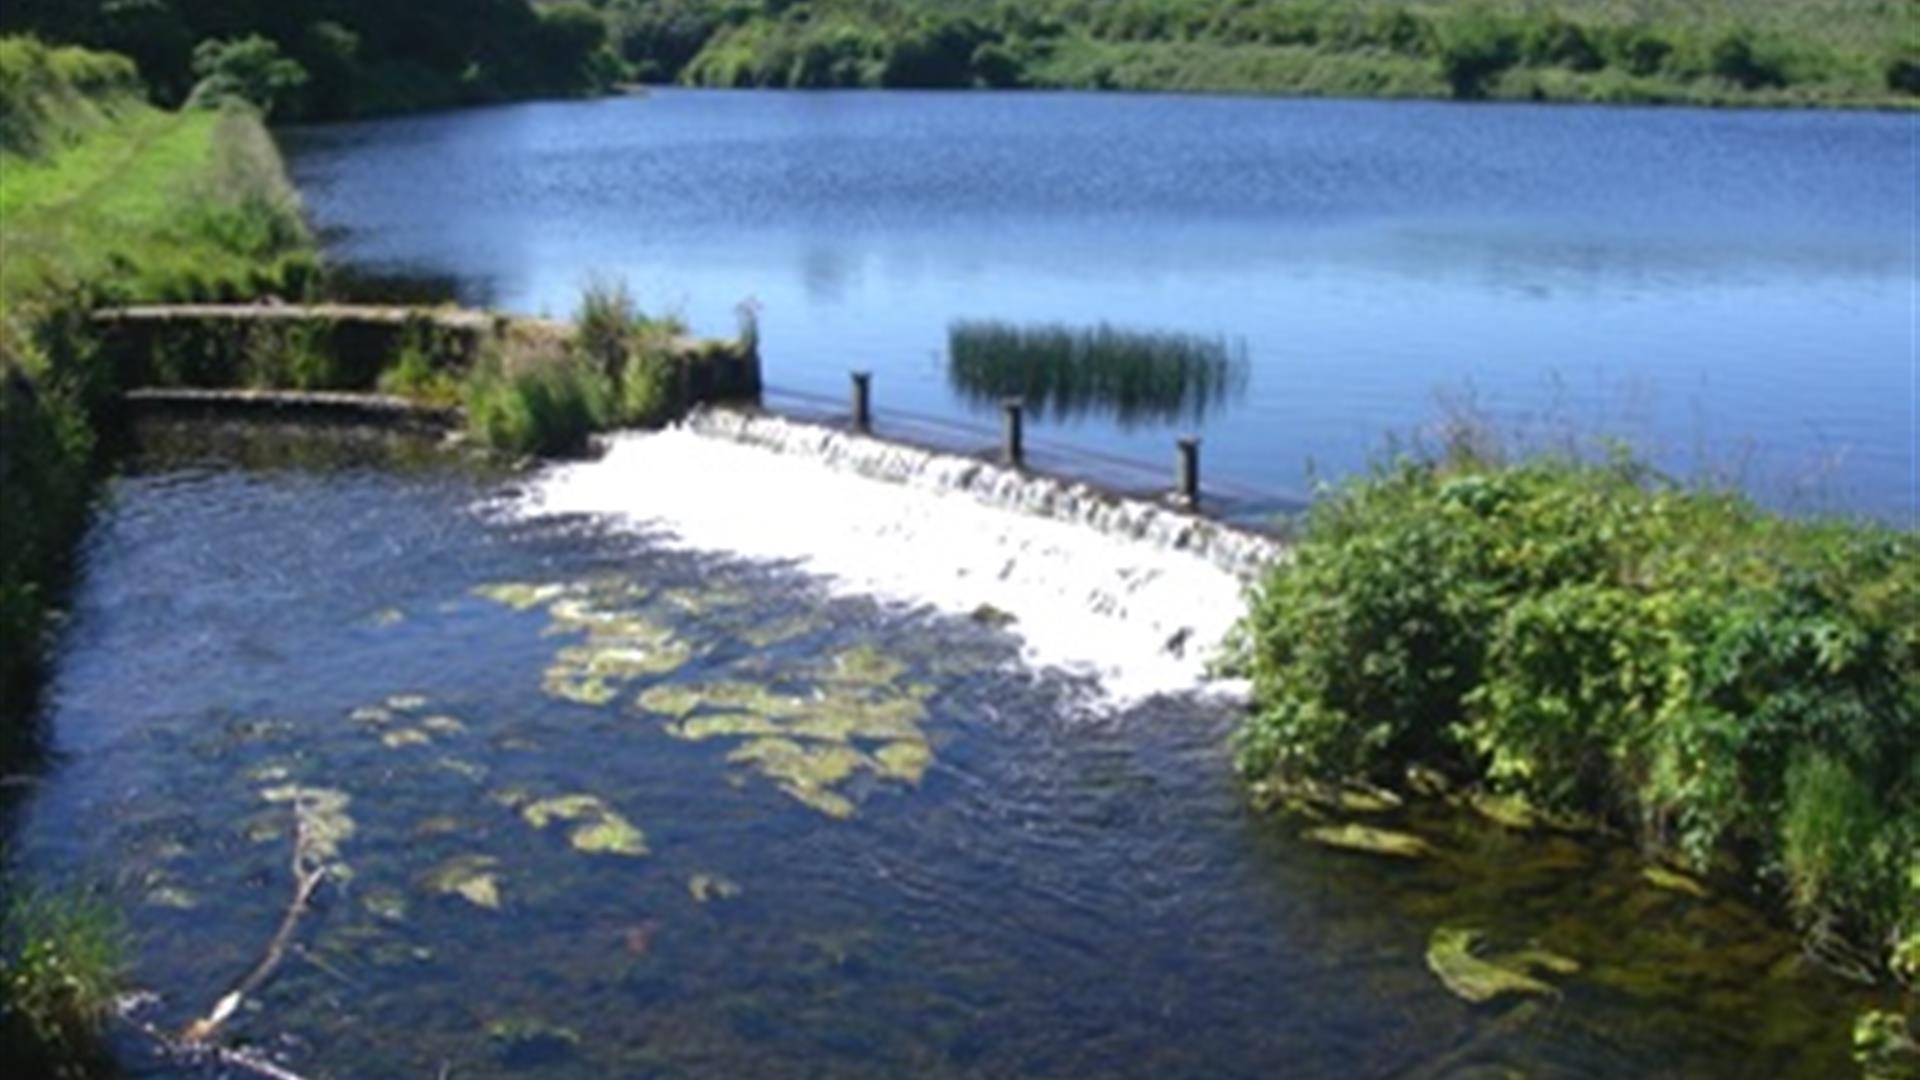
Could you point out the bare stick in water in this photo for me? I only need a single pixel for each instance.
(307, 876)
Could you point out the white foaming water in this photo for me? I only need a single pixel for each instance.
(1141, 617)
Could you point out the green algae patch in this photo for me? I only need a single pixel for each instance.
(698, 603)
(860, 717)
(620, 647)
(522, 1042)
(821, 800)
(683, 700)
(864, 665)
(323, 815)
(725, 725)
(807, 766)
(780, 631)
(172, 897)
(520, 595)
(705, 888)
(1506, 811)
(598, 828)
(1453, 955)
(387, 905)
(1672, 881)
(905, 760)
(468, 770)
(470, 877)
(1371, 841)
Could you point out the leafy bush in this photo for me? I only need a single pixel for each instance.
(1724, 681)
(1473, 49)
(250, 69)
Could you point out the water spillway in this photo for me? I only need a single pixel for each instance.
(1135, 593)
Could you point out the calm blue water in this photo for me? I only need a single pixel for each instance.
(1732, 291)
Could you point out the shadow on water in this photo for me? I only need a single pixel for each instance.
(1063, 372)
(603, 807)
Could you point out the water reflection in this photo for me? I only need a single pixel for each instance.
(1062, 372)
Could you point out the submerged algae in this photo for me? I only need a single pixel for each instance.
(521, 596)
(598, 829)
(470, 877)
(1351, 837)
(1452, 955)
(323, 815)
(806, 744)
(705, 887)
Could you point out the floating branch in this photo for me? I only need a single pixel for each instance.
(308, 872)
(1136, 376)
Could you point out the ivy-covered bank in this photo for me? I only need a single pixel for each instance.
(1587, 642)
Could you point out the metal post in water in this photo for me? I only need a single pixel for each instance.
(1016, 448)
(863, 401)
(1188, 474)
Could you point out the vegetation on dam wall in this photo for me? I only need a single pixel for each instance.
(1771, 52)
(1739, 691)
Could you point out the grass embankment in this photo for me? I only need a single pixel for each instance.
(1739, 691)
(101, 197)
(104, 199)
(1757, 52)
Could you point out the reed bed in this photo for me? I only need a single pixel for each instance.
(1065, 372)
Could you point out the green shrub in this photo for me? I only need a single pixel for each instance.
(62, 964)
(650, 390)
(537, 401)
(1721, 680)
(1475, 48)
(249, 69)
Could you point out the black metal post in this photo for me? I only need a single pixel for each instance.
(1188, 475)
(863, 401)
(1016, 448)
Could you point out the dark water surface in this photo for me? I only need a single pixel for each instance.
(1064, 891)
(1731, 290)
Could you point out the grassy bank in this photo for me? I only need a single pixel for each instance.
(100, 196)
(1738, 691)
(104, 198)
(1761, 52)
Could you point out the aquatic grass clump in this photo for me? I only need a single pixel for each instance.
(1060, 371)
(62, 966)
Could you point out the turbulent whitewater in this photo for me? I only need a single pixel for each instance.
(1132, 593)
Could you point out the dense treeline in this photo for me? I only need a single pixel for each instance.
(329, 59)
(347, 57)
(1663, 50)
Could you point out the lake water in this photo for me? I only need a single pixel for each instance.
(596, 805)
(1729, 290)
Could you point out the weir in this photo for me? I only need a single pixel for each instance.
(1239, 551)
(1135, 594)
